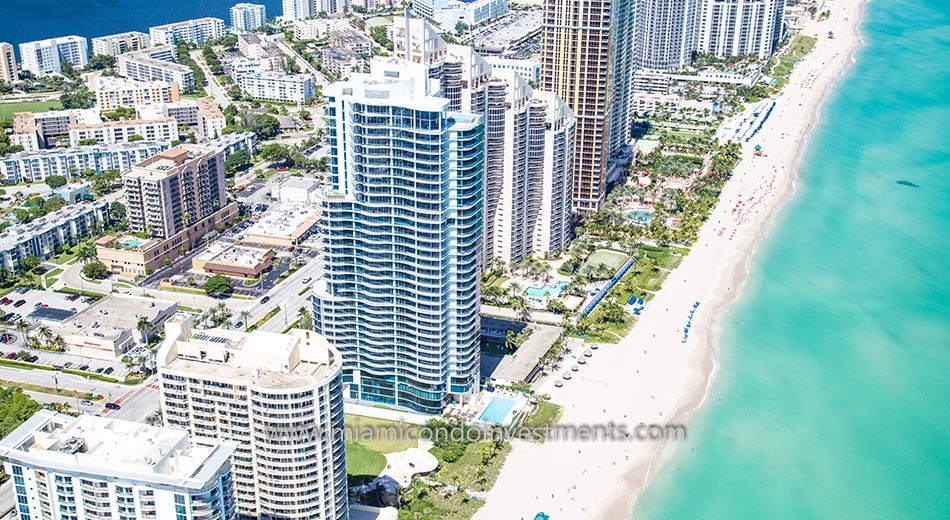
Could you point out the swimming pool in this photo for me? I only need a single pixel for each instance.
(546, 290)
(131, 241)
(497, 410)
(638, 215)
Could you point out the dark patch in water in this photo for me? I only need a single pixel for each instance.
(908, 183)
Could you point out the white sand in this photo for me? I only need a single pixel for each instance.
(651, 376)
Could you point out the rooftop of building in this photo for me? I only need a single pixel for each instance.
(128, 242)
(108, 83)
(340, 53)
(304, 183)
(17, 233)
(120, 123)
(519, 365)
(514, 28)
(111, 316)
(117, 449)
(278, 76)
(145, 56)
(188, 22)
(285, 220)
(268, 359)
(57, 39)
(166, 163)
(233, 254)
(80, 115)
(120, 35)
(95, 148)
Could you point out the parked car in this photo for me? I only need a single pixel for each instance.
(86, 402)
(20, 303)
(32, 359)
(109, 370)
(99, 370)
(22, 290)
(11, 355)
(84, 367)
(113, 406)
(72, 297)
(68, 364)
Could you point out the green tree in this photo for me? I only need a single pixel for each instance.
(95, 271)
(245, 316)
(217, 285)
(117, 211)
(461, 27)
(86, 252)
(55, 181)
(143, 325)
(277, 153)
(101, 61)
(264, 126)
(31, 262)
(135, 137)
(15, 408)
(304, 318)
(76, 95)
(237, 161)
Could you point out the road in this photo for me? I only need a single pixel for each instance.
(212, 87)
(137, 403)
(304, 64)
(52, 379)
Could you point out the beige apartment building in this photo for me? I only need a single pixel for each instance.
(279, 396)
(112, 93)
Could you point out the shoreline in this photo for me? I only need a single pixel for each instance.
(682, 378)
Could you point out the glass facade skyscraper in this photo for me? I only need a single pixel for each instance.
(400, 232)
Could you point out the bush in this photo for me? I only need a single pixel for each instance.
(95, 271)
(217, 285)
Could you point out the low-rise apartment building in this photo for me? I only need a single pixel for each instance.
(198, 31)
(111, 132)
(156, 64)
(65, 467)
(271, 86)
(112, 93)
(37, 165)
(201, 116)
(45, 236)
(116, 44)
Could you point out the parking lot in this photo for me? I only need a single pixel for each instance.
(34, 299)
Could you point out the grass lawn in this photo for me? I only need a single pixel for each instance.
(800, 46)
(471, 471)
(64, 392)
(422, 502)
(613, 259)
(8, 109)
(547, 414)
(70, 290)
(64, 257)
(51, 276)
(381, 435)
(500, 280)
(362, 463)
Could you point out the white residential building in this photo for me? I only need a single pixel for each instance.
(198, 31)
(248, 17)
(297, 9)
(36, 130)
(279, 396)
(112, 132)
(156, 64)
(330, 7)
(72, 162)
(666, 33)
(448, 13)
(116, 44)
(318, 28)
(740, 27)
(201, 115)
(7, 63)
(46, 57)
(272, 86)
(401, 306)
(529, 70)
(65, 468)
(112, 93)
(42, 237)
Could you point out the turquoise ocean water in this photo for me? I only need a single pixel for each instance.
(833, 399)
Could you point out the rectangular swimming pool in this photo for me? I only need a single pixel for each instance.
(497, 410)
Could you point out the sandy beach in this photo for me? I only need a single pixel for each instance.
(652, 376)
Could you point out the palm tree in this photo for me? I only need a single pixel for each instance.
(86, 252)
(43, 332)
(304, 319)
(22, 326)
(142, 325)
(245, 316)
